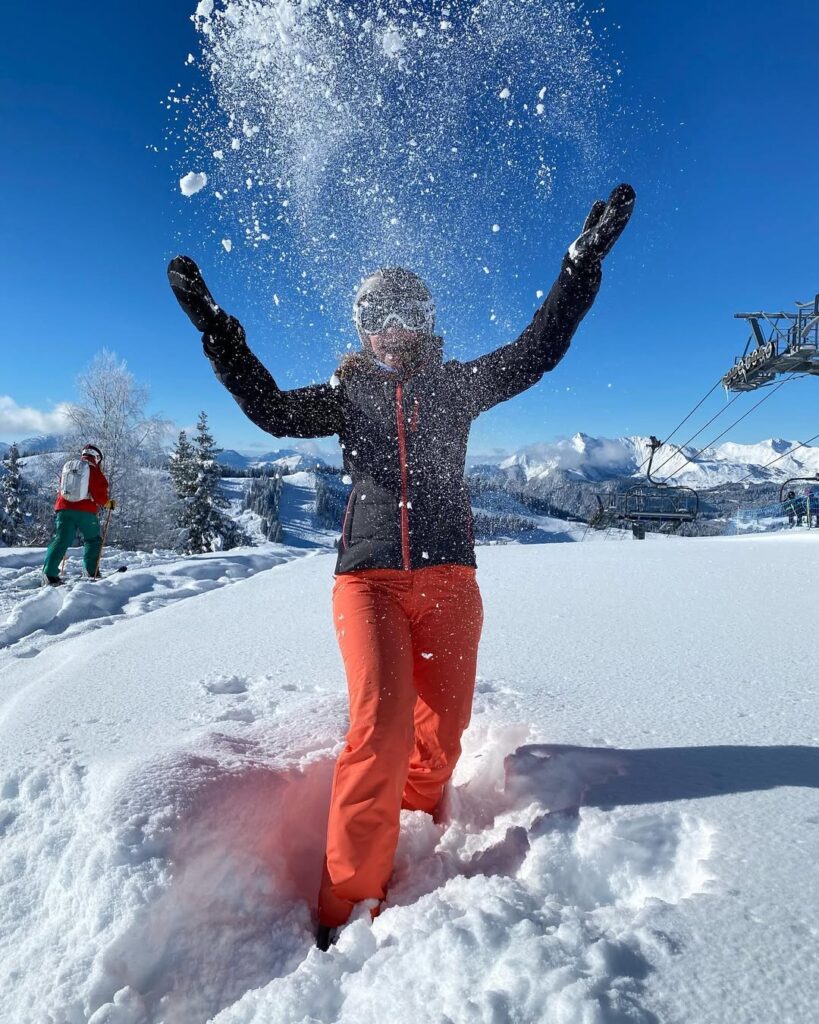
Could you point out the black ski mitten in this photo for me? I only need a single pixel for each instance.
(193, 296)
(603, 226)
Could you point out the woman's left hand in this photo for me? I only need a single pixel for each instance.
(603, 226)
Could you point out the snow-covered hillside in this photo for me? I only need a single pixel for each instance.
(633, 835)
(289, 460)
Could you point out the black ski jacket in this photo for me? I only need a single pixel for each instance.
(404, 435)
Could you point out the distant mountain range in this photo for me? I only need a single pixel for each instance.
(289, 459)
(580, 458)
(599, 459)
(34, 445)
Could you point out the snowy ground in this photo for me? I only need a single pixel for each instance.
(38, 615)
(633, 837)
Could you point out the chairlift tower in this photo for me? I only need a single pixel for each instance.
(779, 343)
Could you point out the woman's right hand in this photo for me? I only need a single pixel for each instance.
(193, 296)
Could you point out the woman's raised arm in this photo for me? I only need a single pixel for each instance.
(313, 411)
(513, 368)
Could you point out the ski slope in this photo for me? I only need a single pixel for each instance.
(298, 514)
(633, 835)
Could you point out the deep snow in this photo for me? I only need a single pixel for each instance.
(164, 779)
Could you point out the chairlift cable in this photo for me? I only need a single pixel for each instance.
(685, 419)
(731, 427)
(716, 416)
(775, 387)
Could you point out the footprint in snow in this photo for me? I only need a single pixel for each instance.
(226, 684)
(237, 714)
(10, 788)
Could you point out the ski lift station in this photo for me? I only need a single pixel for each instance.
(780, 344)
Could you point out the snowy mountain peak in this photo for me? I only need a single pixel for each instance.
(597, 459)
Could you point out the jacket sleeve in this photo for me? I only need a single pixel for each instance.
(313, 411)
(509, 370)
(98, 486)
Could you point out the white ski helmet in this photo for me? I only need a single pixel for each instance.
(393, 295)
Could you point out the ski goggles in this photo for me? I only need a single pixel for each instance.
(374, 314)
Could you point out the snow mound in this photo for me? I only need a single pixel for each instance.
(172, 866)
(508, 909)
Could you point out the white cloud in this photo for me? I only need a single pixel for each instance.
(18, 421)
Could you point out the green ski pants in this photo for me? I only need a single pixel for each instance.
(68, 523)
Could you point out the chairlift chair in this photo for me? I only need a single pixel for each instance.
(658, 502)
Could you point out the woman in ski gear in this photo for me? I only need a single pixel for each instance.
(406, 604)
(79, 511)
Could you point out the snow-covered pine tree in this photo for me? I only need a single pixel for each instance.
(11, 505)
(263, 497)
(182, 467)
(206, 526)
(196, 477)
(184, 473)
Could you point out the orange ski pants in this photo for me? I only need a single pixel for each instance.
(409, 641)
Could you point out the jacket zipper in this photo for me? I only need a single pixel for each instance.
(414, 417)
(347, 510)
(402, 459)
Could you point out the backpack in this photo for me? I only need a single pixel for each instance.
(74, 480)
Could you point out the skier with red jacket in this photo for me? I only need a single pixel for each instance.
(406, 604)
(83, 491)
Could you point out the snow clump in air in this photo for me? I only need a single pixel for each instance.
(371, 138)
(392, 42)
(192, 183)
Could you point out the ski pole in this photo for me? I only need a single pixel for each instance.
(102, 545)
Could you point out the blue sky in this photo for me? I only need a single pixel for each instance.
(722, 152)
